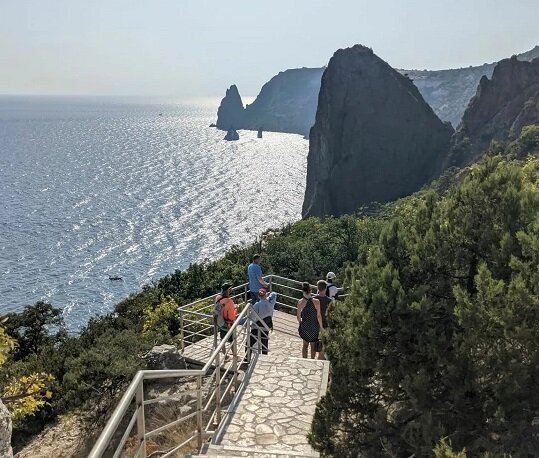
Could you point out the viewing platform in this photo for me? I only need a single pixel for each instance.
(226, 406)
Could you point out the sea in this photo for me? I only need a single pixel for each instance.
(92, 188)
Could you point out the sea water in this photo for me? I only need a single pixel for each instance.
(135, 188)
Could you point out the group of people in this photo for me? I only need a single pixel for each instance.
(312, 313)
(311, 310)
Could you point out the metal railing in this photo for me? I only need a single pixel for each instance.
(196, 318)
(216, 383)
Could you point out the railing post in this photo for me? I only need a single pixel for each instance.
(248, 338)
(218, 386)
(245, 293)
(199, 411)
(214, 336)
(259, 343)
(235, 358)
(182, 343)
(141, 426)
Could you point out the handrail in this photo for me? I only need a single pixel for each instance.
(108, 432)
(135, 390)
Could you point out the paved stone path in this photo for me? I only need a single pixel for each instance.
(283, 341)
(273, 415)
(277, 407)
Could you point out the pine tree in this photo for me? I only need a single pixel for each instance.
(439, 337)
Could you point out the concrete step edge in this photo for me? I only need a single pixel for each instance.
(271, 451)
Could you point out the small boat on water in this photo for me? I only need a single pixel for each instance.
(115, 278)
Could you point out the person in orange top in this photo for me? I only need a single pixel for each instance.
(230, 310)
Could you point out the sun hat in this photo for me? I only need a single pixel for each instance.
(226, 286)
(330, 275)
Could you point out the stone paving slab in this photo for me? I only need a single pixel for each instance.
(251, 451)
(276, 409)
(284, 340)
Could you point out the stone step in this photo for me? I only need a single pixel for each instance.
(227, 450)
(237, 452)
(251, 454)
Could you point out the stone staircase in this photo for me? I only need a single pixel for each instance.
(272, 416)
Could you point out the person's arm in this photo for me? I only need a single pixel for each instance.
(260, 277)
(298, 313)
(318, 313)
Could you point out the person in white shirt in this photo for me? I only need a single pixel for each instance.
(264, 309)
(331, 290)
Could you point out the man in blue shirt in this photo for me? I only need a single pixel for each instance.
(256, 280)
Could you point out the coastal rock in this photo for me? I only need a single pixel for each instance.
(449, 92)
(501, 107)
(164, 357)
(231, 111)
(374, 140)
(288, 102)
(5, 432)
(232, 135)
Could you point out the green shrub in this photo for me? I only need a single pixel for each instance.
(440, 336)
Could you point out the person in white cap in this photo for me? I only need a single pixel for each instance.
(331, 290)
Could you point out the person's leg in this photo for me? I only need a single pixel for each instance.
(222, 334)
(313, 350)
(304, 349)
(265, 342)
(253, 341)
(254, 297)
(321, 354)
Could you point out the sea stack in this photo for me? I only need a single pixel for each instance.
(230, 113)
(374, 139)
(502, 106)
(259, 135)
(232, 135)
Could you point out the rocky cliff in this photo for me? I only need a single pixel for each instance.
(374, 138)
(501, 107)
(287, 103)
(448, 92)
(231, 112)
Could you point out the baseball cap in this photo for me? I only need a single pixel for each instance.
(262, 292)
(331, 275)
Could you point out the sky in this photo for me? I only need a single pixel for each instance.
(197, 48)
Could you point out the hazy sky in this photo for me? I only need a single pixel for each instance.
(193, 48)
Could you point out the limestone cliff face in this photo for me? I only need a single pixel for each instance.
(231, 112)
(501, 107)
(287, 103)
(374, 139)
